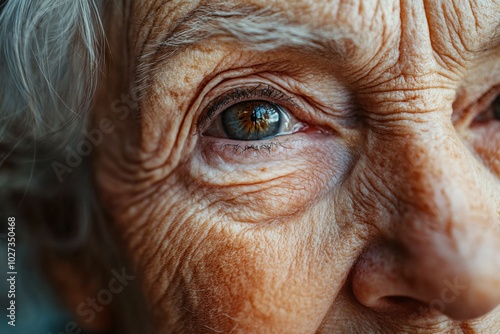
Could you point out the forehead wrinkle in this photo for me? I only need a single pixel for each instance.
(475, 25)
(495, 40)
(491, 36)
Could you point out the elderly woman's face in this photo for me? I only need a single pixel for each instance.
(314, 167)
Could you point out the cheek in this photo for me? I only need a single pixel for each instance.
(203, 270)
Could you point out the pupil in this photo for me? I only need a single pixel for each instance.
(255, 116)
(260, 114)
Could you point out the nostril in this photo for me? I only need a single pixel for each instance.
(401, 301)
(400, 305)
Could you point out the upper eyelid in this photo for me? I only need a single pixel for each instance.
(240, 94)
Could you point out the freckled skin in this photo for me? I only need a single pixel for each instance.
(352, 229)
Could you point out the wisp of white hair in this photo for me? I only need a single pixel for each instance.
(48, 66)
(50, 54)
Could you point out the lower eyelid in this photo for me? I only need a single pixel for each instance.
(273, 149)
(238, 152)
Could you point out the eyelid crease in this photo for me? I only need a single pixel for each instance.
(259, 91)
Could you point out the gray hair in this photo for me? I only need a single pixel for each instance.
(50, 52)
(48, 66)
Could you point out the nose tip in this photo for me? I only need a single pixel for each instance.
(463, 299)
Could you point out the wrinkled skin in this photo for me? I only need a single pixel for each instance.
(382, 218)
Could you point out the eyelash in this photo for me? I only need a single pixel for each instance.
(267, 147)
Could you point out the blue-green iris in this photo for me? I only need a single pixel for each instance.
(251, 120)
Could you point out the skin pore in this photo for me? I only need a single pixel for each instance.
(358, 223)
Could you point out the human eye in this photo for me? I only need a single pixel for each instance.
(481, 128)
(249, 133)
(252, 114)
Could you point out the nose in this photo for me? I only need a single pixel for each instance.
(439, 249)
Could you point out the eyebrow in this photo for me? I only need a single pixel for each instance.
(261, 28)
(255, 28)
